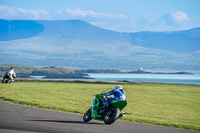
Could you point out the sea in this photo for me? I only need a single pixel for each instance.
(160, 78)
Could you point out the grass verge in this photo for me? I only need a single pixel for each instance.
(160, 104)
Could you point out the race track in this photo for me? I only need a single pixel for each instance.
(16, 118)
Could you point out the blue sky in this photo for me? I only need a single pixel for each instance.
(117, 15)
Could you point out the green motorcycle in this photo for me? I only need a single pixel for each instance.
(111, 113)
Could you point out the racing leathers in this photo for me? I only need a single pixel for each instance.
(10, 75)
(119, 94)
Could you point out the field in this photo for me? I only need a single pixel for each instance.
(160, 104)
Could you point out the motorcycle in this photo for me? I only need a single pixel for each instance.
(111, 113)
(7, 79)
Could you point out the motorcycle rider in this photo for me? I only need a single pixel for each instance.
(119, 94)
(9, 75)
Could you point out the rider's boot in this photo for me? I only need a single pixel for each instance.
(122, 114)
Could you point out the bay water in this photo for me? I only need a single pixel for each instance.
(161, 78)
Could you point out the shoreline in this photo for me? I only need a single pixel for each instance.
(93, 81)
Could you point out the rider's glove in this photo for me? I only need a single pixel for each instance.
(104, 94)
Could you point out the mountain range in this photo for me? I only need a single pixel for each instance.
(78, 44)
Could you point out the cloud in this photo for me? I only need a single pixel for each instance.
(85, 14)
(16, 13)
(177, 17)
(173, 21)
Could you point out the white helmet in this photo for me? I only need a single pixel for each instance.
(118, 87)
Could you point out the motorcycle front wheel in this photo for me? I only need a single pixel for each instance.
(112, 117)
(87, 116)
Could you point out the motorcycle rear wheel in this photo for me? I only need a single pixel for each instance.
(112, 117)
(6, 81)
(87, 116)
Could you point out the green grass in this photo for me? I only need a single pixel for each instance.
(160, 104)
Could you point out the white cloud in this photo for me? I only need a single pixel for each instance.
(180, 16)
(176, 17)
(15, 13)
(168, 22)
(81, 13)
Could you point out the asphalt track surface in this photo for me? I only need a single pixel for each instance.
(16, 118)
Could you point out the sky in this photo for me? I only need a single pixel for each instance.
(116, 15)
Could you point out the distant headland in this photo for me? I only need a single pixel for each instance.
(136, 71)
(54, 72)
